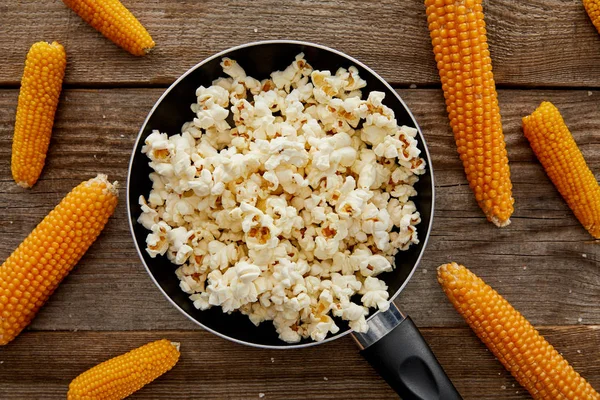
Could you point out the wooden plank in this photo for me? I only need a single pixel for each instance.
(533, 43)
(545, 263)
(41, 365)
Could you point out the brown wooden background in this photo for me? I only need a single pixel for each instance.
(544, 263)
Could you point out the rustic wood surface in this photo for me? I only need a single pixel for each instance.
(40, 365)
(536, 42)
(544, 262)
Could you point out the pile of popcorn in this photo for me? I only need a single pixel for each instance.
(284, 199)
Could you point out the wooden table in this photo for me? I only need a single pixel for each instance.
(545, 263)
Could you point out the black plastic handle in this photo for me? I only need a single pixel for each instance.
(405, 361)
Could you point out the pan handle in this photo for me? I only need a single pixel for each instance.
(398, 352)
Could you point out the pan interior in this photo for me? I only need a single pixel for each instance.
(173, 110)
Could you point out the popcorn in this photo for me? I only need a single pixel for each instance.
(292, 213)
(157, 242)
(375, 294)
(232, 68)
(354, 82)
(322, 327)
(149, 216)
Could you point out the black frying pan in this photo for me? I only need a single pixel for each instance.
(393, 344)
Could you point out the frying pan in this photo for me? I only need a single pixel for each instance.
(393, 344)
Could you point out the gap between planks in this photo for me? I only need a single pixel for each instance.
(394, 85)
(591, 327)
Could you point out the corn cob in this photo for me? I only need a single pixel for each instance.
(38, 98)
(537, 366)
(458, 35)
(556, 149)
(119, 377)
(33, 271)
(592, 7)
(112, 19)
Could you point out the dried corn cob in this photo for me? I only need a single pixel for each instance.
(513, 340)
(112, 19)
(38, 98)
(34, 270)
(593, 9)
(556, 149)
(458, 35)
(119, 377)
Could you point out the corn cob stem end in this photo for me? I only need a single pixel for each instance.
(148, 50)
(177, 345)
(24, 184)
(499, 223)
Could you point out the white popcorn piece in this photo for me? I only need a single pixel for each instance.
(293, 210)
(283, 151)
(201, 300)
(374, 265)
(247, 272)
(353, 203)
(322, 327)
(375, 294)
(149, 216)
(354, 81)
(183, 254)
(232, 68)
(287, 334)
(214, 95)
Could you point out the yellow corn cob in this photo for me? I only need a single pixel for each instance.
(458, 35)
(119, 377)
(556, 149)
(38, 98)
(115, 22)
(593, 9)
(34, 270)
(513, 340)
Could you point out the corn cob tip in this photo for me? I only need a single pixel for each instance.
(177, 345)
(54, 43)
(112, 188)
(448, 270)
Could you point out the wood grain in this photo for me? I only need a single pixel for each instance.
(40, 365)
(533, 43)
(544, 263)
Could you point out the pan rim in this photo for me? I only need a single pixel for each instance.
(224, 53)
